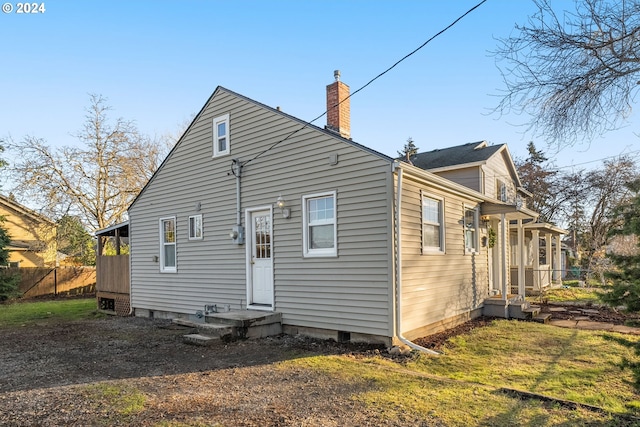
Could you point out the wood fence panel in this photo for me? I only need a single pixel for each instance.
(39, 281)
(113, 274)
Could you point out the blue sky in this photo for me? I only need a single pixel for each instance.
(158, 62)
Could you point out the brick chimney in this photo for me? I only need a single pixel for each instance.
(338, 116)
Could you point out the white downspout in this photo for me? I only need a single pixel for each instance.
(398, 326)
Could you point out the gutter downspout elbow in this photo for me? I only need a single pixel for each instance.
(398, 319)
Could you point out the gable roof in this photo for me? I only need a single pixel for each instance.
(23, 210)
(470, 153)
(303, 124)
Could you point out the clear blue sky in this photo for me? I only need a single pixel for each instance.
(157, 62)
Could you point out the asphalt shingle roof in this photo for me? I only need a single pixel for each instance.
(468, 153)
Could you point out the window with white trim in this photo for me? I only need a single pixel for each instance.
(470, 230)
(168, 258)
(320, 231)
(501, 192)
(195, 227)
(432, 224)
(221, 141)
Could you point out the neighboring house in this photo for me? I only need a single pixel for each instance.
(489, 169)
(33, 236)
(255, 209)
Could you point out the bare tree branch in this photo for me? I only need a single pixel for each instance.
(96, 180)
(577, 73)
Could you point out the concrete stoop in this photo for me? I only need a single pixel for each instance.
(514, 309)
(232, 325)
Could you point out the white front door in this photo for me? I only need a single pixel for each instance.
(260, 265)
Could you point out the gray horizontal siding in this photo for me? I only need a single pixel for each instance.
(350, 292)
(469, 177)
(438, 286)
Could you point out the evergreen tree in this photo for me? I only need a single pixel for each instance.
(626, 276)
(408, 150)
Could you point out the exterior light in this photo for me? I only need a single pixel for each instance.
(281, 204)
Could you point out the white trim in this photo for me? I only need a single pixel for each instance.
(248, 248)
(432, 250)
(195, 236)
(476, 223)
(324, 252)
(163, 268)
(216, 151)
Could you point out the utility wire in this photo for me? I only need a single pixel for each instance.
(369, 82)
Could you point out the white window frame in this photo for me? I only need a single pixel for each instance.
(195, 227)
(163, 267)
(501, 193)
(476, 229)
(440, 250)
(216, 150)
(322, 252)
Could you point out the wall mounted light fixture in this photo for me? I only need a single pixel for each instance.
(281, 204)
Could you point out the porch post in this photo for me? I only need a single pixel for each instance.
(558, 254)
(535, 237)
(521, 260)
(505, 263)
(549, 256)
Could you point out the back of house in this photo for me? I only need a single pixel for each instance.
(255, 209)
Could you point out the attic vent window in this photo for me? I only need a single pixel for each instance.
(221, 141)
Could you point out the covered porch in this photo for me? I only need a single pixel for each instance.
(112, 270)
(536, 256)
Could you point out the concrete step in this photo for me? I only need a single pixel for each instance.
(204, 333)
(199, 339)
(236, 324)
(542, 318)
(243, 318)
(531, 311)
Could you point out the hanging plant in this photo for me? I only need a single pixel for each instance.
(492, 237)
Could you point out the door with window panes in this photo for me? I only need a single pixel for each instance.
(261, 266)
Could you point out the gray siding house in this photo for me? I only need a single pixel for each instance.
(254, 209)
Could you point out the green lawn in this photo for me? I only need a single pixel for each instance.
(26, 313)
(462, 386)
(574, 294)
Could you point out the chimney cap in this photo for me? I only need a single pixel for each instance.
(336, 75)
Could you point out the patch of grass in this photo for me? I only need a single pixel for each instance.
(399, 393)
(573, 294)
(583, 366)
(26, 313)
(461, 387)
(118, 398)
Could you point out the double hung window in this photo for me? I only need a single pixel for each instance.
(470, 230)
(168, 258)
(221, 141)
(320, 231)
(432, 224)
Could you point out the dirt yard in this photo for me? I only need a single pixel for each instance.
(59, 374)
(46, 374)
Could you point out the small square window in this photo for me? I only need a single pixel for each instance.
(195, 227)
(221, 141)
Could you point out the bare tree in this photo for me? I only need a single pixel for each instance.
(592, 198)
(576, 73)
(96, 180)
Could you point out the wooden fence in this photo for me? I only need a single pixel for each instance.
(40, 281)
(112, 288)
(113, 274)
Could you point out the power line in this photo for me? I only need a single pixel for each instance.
(370, 81)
